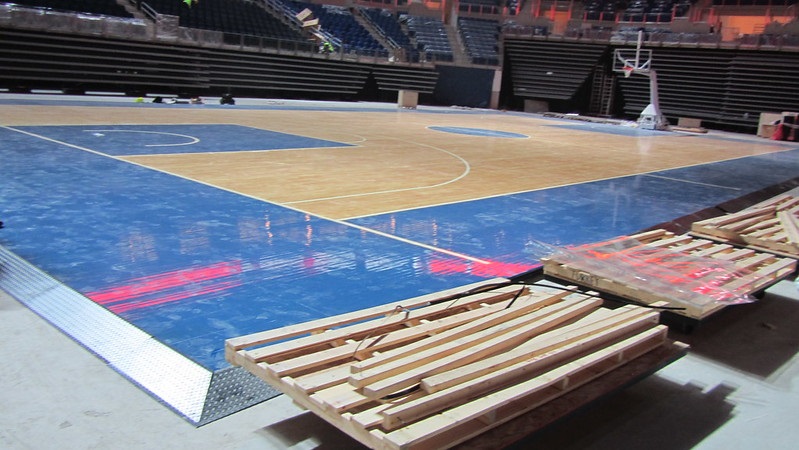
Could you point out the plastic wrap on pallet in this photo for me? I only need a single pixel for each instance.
(694, 280)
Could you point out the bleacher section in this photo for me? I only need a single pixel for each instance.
(228, 16)
(655, 11)
(601, 10)
(550, 70)
(482, 6)
(492, 7)
(725, 84)
(480, 38)
(396, 78)
(77, 63)
(101, 7)
(759, 81)
(431, 36)
(753, 2)
(80, 63)
(352, 36)
(657, 35)
(386, 23)
(725, 87)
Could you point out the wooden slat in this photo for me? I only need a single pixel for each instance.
(322, 378)
(653, 235)
(669, 242)
(405, 373)
(789, 224)
(394, 319)
(328, 377)
(339, 398)
(447, 391)
(711, 250)
(692, 246)
(754, 260)
(737, 217)
(364, 348)
(770, 226)
(781, 201)
(732, 254)
(729, 270)
(523, 396)
(413, 350)
(546, 347)
(764, 276)
(763, 227)
(321, 325)
(563, 341)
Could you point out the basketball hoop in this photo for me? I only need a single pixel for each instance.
(628, 70)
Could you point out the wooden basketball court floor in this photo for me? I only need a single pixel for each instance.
(150, 233)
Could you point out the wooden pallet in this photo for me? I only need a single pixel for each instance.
(426, 374)
(771, 226)
(681, 282)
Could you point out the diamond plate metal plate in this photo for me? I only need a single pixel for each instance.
(234, 389)
(188, 388)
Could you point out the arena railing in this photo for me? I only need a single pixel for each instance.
(166, 28)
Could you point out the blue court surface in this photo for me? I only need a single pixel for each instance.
(127, 140)
(192, 265)
(613, 129)
(480, 132)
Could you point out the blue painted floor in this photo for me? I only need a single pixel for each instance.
(128, 140)
(194, 265)
(513, 228)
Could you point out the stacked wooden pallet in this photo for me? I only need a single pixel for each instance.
(429, 373)
(698, 276)
(771, 226)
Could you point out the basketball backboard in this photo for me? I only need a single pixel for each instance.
(632, 60)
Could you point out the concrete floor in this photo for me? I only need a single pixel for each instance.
(56, 394)
(738, 388)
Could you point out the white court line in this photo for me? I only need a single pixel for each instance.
(692, 182)
(340, 222)
(192, 139)
(557, 186)
(466, 170)
(479, 132)
(360, 139)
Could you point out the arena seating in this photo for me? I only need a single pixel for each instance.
(689, 85)
(655, 11)
(229, 16)
(482, 6)
(340, 22)
(490, 6)
(386, 23)
(746, 3)
(601, 10)
(480, 38)
(431, 37)
(138, 68)
(550, 70)
(102, 7)
(560, 72)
